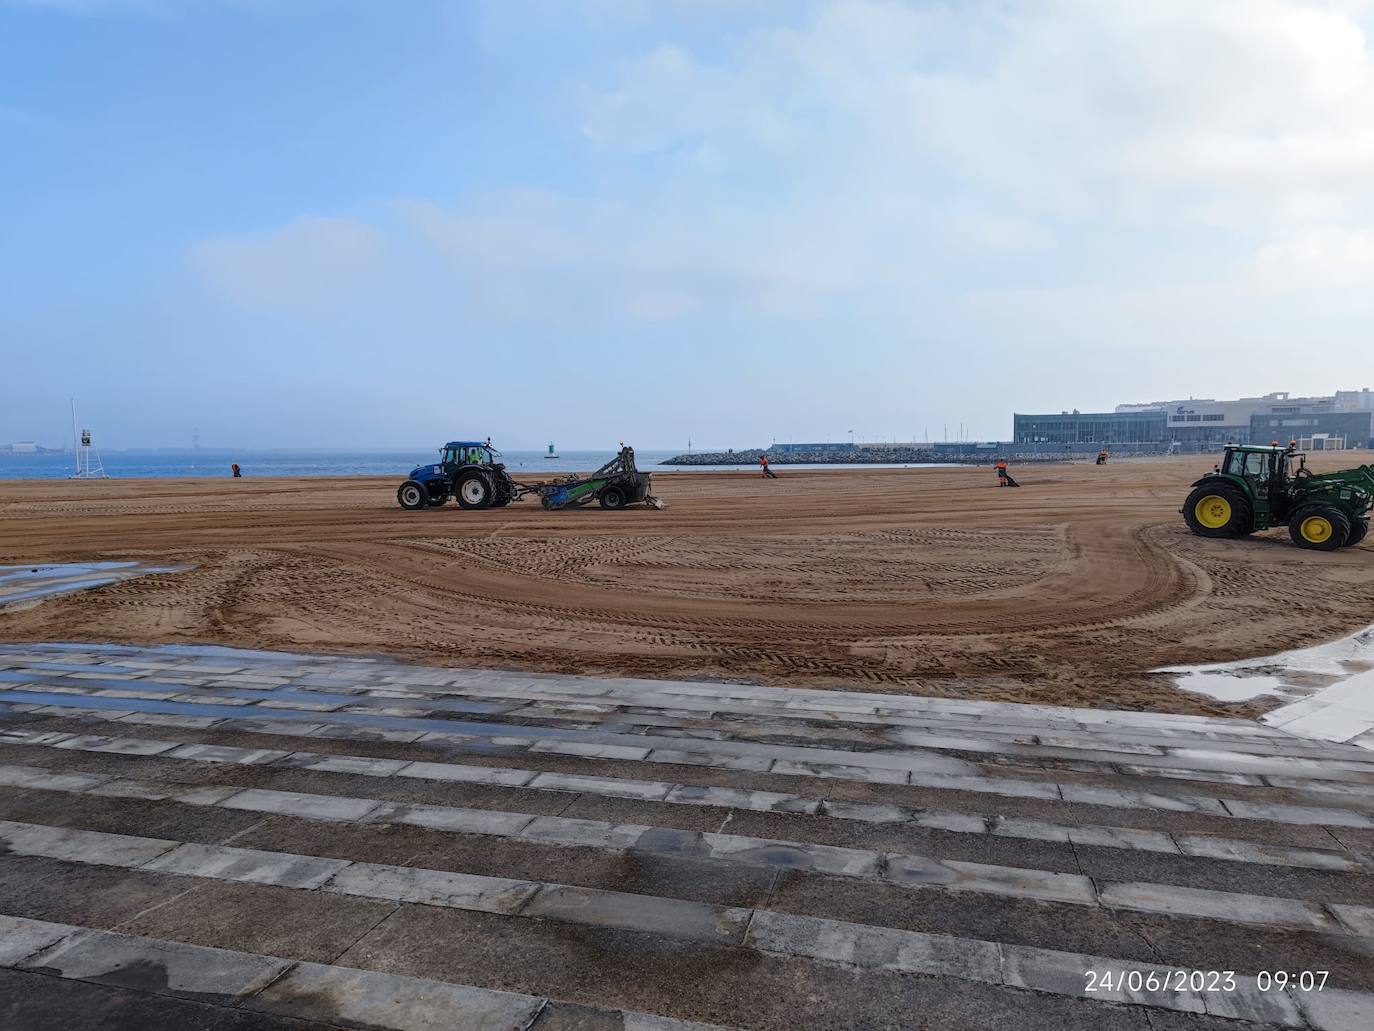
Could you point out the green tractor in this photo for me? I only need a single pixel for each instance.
(1256, 487)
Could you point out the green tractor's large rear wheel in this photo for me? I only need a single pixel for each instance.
(1358, 529)
(1213, 510)
(1319, 527)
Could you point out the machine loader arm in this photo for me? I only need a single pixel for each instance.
(1360, 476)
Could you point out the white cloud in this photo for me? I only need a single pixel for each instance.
(1319, 256)
(1162, 109)
(311, 266)
(532, 255)
(853, 155)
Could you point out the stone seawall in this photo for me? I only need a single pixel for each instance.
(876, 456)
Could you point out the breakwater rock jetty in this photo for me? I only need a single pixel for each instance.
(866, 454)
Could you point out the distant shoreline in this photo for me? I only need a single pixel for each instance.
(877, 456)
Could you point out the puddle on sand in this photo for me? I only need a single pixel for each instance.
(1288, 675)
(30, 584)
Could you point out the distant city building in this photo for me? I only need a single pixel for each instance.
(1352, 427)
(1090, 428)
(1278, 416)
(1217, 422)
(1356, 400)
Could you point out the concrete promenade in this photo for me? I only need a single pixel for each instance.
(224, 839)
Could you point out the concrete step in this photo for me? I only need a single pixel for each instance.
(889, 867)
(1310, 767)
(271, 984)
(526, 916)
(723, 801)
(583, 697)
(706, 853)
(1339, 810)
(350, 672)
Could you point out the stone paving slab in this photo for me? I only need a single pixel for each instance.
(293, 803)
(245, 864)
(24, 839)
(20, 938)
(365, 998)
(433, 887)
(1218, 905)
(177, 969)
(348, 997)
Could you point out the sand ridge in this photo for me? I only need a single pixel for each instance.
(918, 580)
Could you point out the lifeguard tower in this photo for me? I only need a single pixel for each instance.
(88, 464)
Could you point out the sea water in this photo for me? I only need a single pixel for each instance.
(178, 464)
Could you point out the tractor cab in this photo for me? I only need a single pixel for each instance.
(458, 453)
(1265, 474)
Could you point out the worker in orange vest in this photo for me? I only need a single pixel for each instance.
(1001, 472)
(763, 467)
(1102, 457)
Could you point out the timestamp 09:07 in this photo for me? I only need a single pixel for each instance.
(1200, 980)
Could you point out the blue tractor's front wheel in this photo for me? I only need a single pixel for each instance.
(412, 495)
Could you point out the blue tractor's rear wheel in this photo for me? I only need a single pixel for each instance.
(474, 490)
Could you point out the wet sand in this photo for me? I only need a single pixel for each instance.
(929, 581)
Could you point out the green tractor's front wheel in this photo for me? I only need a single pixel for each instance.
(1358, 529)
(1319, 527)
(1213, 510)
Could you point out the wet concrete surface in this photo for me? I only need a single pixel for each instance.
(29, 584)
(37, 1002)
(650, 911)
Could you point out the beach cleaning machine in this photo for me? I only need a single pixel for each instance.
(472, 473)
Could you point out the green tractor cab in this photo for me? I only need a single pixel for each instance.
(1256, 487)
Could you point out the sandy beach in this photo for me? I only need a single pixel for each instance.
(929, 581)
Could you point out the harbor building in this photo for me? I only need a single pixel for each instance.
(1346, 415)
(1090, 428)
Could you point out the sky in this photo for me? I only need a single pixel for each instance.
(337, 223)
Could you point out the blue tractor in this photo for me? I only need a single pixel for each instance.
(468, 470)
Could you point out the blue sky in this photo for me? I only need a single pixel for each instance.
(336, 223)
